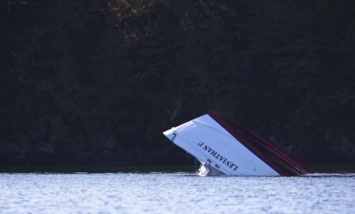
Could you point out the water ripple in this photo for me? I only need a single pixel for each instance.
(175, 193)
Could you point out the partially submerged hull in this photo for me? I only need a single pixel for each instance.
(224, 146)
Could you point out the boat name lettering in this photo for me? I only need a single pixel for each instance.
(218, 156)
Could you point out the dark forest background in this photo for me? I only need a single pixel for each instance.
(98, 81)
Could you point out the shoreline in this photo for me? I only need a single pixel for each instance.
(147, 169)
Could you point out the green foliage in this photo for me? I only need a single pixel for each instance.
(96, 82)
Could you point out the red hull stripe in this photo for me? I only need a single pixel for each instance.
(266, 150)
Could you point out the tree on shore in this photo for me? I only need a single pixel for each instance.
(97, 81)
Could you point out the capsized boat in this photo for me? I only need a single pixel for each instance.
(225, 146)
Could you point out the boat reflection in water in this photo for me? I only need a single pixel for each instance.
(225, 146)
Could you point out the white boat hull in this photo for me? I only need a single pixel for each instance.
(217, 150)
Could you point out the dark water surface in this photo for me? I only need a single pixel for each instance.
(178, 192)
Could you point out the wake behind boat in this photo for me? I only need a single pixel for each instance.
(224, 146)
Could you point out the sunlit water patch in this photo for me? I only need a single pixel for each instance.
(175, 193)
